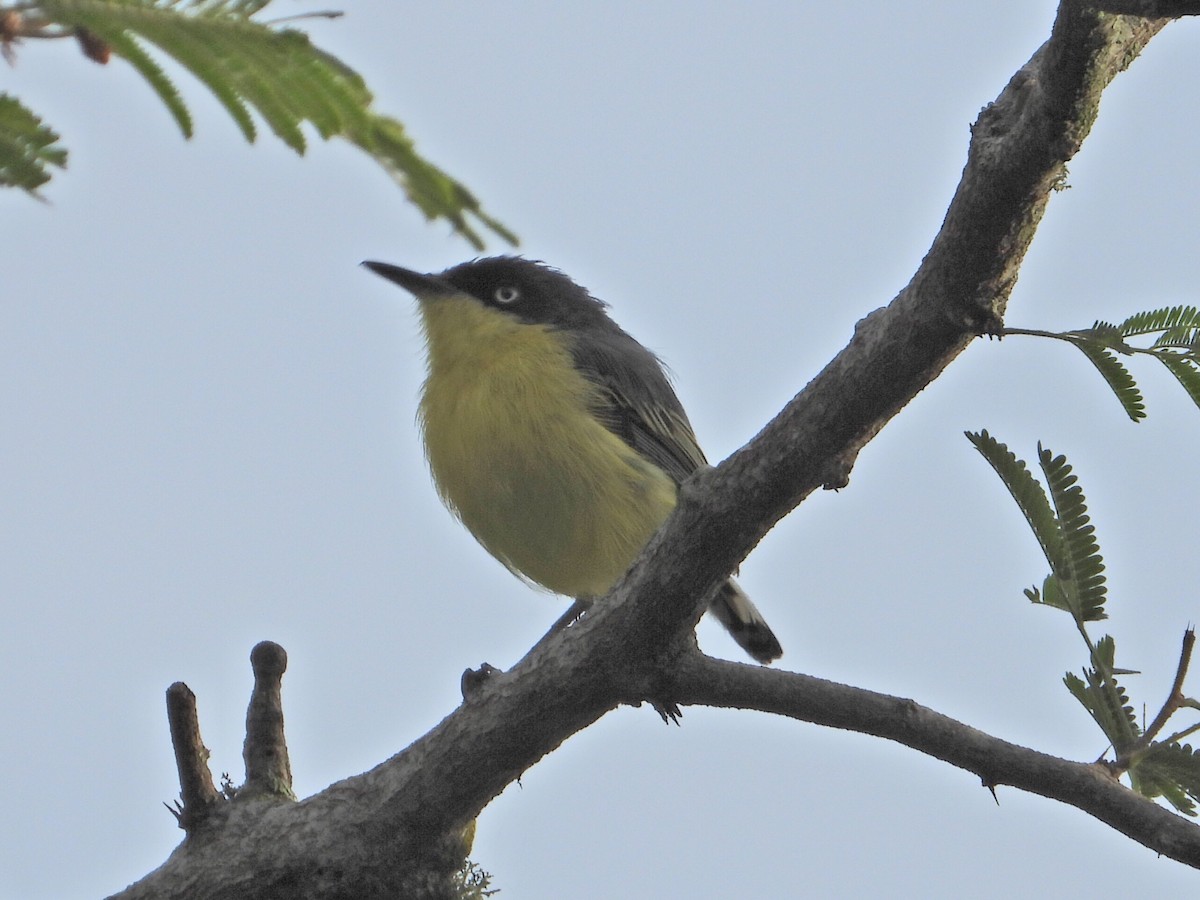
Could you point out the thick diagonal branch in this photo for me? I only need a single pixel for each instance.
(1020, 145)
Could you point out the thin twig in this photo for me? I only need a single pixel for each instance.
(196, 788)
(268, 768)
(1174, 699)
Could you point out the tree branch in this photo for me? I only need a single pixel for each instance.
(197, 792)
(1148, 9)
(1091, 787)
(1020, 145)
(378, 833)
(265, 753)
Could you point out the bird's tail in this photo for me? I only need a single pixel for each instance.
(745, 623)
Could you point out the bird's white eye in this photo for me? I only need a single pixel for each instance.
(506, 294)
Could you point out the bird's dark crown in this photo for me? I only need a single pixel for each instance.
(544, 295)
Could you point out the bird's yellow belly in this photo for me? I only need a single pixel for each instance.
(545, 487)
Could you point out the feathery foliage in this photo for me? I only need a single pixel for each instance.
(1076, 585)
(1175, 333)
(1076, 581)
(1030, 497)
(256, 69)
(1105, 700)
(1186, 369)
(1172, 771)
(1157, 320)
(1080, 568)
(27, 147)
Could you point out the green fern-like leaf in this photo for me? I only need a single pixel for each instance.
(1186, 369)
(1181, 337)
(433, 192)
(131, 51)
(1080, 568)
(1171, 771)
(1025, 489)
(1164, 319)
(1108, 704)
(255, 68)
(243, 63)
(1114, 373)
(1076, 582)
(1176, 342)
(27, 147)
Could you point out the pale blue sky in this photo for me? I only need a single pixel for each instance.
(210, 441)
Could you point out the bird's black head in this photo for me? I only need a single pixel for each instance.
(532, 291)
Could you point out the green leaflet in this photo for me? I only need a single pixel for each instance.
(1105, 699)
(27, 147)
(1178, 337)
(1117, 376)
(1051, 594)
(1108, 705)
(1186, 370)
(1080, 569)
(431, 190)
(131, 51)
(1169, 770)
(1030, 496)
(1164, 319)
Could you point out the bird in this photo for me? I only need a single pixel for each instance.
(552, 434)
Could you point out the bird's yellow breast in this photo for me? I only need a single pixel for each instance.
(518, 456)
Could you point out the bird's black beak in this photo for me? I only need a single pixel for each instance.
(420, 286)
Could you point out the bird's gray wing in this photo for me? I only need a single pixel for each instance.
(636, 402)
